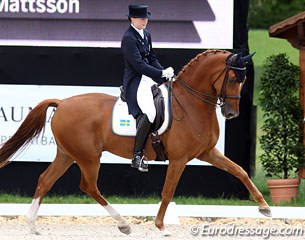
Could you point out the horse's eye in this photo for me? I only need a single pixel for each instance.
(231, 80)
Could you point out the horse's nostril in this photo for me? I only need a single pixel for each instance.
(231, 115)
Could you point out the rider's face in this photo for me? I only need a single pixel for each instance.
(139, 23)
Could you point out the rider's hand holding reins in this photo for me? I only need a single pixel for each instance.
(168, 73)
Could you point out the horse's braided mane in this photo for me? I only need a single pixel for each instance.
(195, 59)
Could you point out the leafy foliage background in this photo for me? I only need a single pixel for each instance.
(264, 13)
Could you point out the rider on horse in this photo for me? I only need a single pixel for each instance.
(142, 70)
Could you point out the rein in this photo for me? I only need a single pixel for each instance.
(205, 97)
(218, 101)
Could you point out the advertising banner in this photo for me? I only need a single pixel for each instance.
(101, 23)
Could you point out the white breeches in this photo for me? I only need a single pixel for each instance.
(145, 98)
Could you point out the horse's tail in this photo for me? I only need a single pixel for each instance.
(30, 128)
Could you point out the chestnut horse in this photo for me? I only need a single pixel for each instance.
(81, 126)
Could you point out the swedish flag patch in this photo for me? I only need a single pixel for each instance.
(124, 123)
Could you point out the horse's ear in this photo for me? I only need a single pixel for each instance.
(248, 57)
(234, 59)
(238, 56)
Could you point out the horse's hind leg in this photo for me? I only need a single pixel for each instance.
(218, 160)
(46, 180)
(88, 184)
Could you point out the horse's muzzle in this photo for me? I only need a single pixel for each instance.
(228, 112)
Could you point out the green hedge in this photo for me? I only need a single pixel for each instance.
(264, 13)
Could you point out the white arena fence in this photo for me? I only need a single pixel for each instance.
(173, 213)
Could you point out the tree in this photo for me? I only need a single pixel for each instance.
(283, 118)
(264, 13)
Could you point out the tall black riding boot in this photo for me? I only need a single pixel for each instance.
(143, 130)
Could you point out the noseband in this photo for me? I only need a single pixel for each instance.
(218, 101)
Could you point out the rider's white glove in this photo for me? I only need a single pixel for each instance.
(168, 73)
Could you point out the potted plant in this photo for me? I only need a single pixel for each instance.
(282, 135)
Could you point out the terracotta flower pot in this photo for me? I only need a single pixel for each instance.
(302, 172)
(283, 190)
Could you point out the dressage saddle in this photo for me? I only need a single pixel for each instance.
(160, 107)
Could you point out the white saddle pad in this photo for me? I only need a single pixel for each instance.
(123, 124)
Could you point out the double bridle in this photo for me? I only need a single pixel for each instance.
(220, 100)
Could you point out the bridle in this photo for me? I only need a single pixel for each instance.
(220, 100)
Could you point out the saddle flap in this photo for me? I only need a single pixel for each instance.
(123, 124)
(159, 105)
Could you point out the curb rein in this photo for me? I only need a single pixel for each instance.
(218, 101)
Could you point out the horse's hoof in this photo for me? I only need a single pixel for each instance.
(34, 232)
(125, 229)
(265, 211)
(165, 232)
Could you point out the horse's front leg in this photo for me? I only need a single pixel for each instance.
(218, 160)
(174, 171)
